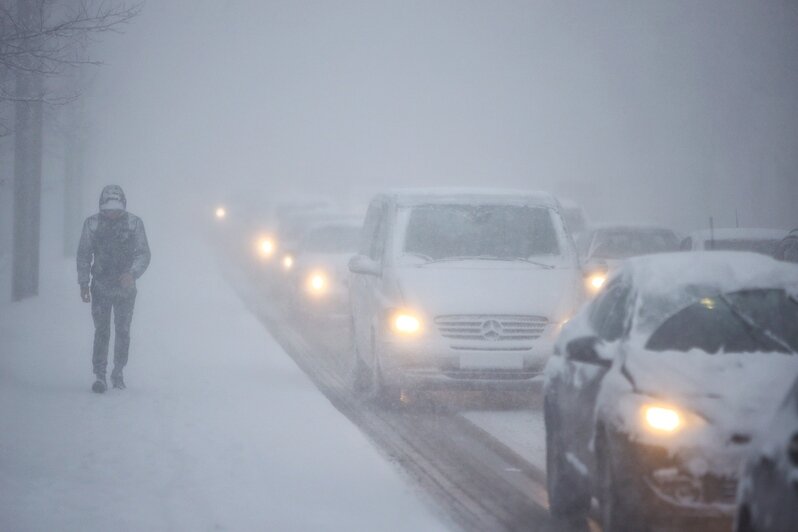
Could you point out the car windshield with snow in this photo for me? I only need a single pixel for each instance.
(662, 382)
(460, 289)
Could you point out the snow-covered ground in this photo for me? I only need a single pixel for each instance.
(218, 429)
(523, 431)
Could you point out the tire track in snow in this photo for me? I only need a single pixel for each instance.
(475, 480)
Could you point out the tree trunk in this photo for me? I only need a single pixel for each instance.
(28, 119)
(74, 169)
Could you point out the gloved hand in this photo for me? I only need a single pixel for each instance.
(126, 280)
(85, 294)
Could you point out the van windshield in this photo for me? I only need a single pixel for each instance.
(501, 232)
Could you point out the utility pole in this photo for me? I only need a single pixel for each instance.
(28, 125)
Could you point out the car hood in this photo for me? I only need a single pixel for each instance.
(737, 392)
(494, 288)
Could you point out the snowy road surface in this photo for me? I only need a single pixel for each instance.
(478, 457)
(218, 429)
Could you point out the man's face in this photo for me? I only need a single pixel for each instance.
(113, 214)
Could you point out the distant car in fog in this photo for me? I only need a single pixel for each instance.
(602, 247)
(291, 227)
(762, 241)
(459, 288)
(320, 272)
(574, 216)
(768, 494)
(659, 385)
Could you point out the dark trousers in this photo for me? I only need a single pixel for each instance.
(102, 302)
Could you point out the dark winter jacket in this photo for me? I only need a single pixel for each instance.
(110, 247)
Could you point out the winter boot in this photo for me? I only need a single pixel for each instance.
(118, 382)
(99, 385)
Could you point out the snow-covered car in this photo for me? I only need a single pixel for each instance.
(767, 498)
(658, 386)
(602, 247)
(320, 271)
(460, 289)
(763, 241)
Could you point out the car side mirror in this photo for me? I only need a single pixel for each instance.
(585, 350)
(364, 265)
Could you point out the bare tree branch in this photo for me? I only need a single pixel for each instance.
(59, 41)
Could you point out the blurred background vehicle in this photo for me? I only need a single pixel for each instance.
(659, 385)
(459, 289)
(763, 241)
(602, 247)
(767, 499)
(574, 217)
(319, 271)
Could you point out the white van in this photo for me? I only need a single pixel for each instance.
(459, 288)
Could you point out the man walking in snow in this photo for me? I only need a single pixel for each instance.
(113, 253)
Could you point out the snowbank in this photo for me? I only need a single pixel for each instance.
(218, 429)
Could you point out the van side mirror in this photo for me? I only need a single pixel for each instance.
(585, 350)
(364, 265)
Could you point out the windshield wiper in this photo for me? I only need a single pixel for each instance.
(489, 257)
(753, 326)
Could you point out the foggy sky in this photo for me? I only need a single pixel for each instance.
(655, 111)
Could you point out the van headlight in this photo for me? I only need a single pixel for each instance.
(405, 322)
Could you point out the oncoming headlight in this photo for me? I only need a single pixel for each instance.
(595, 282)
(266, 247)
(662, 419)
(317, 283)
(406, 323)
(288, 262)
(220, 213)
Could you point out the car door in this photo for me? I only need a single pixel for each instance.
(582, 381)
(365, 289)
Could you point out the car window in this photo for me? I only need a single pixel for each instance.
(582, 242)
(738, 322)
(611, 311)
(499, 231)
(370, 226)
(378, 240)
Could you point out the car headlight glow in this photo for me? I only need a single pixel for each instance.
(596, 281)
(266, 247)
(317, 283)
(405, 323)
(288, 262)
(662, 419)
(220, 213)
